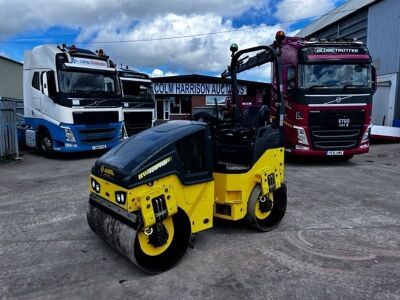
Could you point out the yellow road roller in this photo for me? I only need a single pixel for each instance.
(151, 193)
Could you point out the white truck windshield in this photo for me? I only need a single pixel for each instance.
(335, 76)
(75, 82)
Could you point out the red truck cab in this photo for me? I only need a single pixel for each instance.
(328, 87)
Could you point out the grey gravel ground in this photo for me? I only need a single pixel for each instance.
(340, 239)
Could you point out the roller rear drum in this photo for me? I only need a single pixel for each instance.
(264, 212)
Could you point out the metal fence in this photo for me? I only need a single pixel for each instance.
(8, 128)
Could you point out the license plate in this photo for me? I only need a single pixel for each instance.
(337, 152)
(98, 147)
(343, 122)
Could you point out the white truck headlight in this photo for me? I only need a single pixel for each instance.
(365, 137)
(122, 135)
(301, 135)
(69, 134)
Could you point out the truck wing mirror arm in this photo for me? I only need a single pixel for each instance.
(374, 78)
(44, 84)
(49, 84)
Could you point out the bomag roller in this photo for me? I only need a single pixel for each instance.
(151, 193)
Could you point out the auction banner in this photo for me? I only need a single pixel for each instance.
(196, 89)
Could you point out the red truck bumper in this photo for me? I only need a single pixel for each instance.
(364, 148)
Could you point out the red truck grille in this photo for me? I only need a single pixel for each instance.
(327, 133)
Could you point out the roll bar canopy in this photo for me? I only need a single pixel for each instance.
(265, 54)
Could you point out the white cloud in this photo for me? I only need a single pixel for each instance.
(185, 55)
(159, 73)
(22, 15)
(289, 10)
(262, 73)
(104, 20)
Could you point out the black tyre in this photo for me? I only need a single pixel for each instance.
(45, 144)
(265, 213)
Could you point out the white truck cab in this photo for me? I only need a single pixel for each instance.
(138, 102)
(72, 100)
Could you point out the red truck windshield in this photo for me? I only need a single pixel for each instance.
(335, 76)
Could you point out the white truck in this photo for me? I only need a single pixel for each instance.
(138, 102)
(72, 100)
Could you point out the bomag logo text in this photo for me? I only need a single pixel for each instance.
(154, 168)
(106, 171)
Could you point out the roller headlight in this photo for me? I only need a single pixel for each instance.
(95, 185)
(120, 197)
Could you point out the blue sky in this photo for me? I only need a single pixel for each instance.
(101, 24)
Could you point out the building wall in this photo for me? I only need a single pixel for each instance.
(198, 101)
(10, 79)
(384, 44)
(383, 35)
(353, 26)
(177, 96)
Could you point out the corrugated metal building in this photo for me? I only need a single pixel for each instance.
(10, 78)
(377, 24)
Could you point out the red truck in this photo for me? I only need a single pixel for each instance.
(328, 87)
